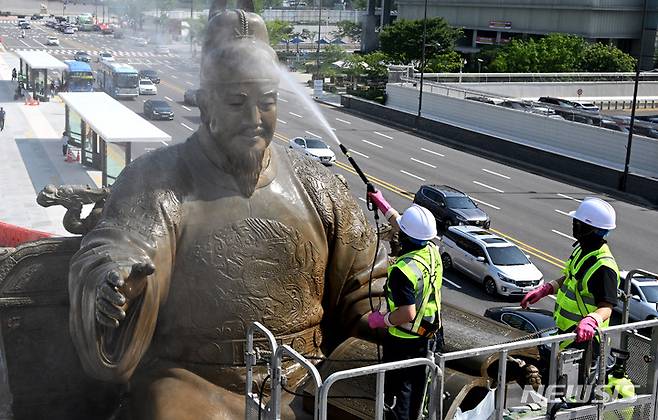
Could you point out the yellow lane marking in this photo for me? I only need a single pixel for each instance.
(527, 248)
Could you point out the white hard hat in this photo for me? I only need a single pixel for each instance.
(418, 223)
(595, 212)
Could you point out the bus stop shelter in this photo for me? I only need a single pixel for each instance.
(37, 64)
(109, 134)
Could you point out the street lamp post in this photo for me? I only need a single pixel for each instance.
(624, 177)
(422, 61)
(479, 68)
(317, 53)
(462, 63)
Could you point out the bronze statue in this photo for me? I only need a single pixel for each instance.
(198, 240)
(73, 197)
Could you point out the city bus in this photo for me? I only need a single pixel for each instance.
(78, 77)
(85, 22)
(118, 80)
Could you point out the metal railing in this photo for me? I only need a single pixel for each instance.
(645, 403)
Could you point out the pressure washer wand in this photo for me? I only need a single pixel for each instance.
(369, 186)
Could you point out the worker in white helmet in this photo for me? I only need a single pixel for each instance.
(413, 319)
(587, 292)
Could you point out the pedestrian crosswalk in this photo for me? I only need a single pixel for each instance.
(63, 51)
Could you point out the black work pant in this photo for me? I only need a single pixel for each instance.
(406, 385)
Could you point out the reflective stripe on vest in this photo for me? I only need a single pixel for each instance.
(574, 300)
(424, 270)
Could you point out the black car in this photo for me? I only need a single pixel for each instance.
(189, 98)
(451, 207)
(82, 56)
(25, 25)
(158, 110)
(568, 110)
(152, 75)
(530, 320)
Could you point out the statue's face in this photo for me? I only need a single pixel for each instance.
(241, 115)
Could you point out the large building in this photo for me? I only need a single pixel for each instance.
(618, 22)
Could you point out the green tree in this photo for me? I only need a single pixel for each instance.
(559, 53)
(349, 29)
(359, 4)
(606, 58)
(402, 41)
(448, 62)
(198, 29)
(279, 31)
(377, 64)
(517, 57)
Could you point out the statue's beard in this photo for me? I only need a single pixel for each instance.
(243, 163)
(245, 166)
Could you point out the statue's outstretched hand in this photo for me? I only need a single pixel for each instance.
(121, 285)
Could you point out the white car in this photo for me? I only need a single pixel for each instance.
(643, 304)
(142, 42)
(52, 40)
(146, 87)
(69, 30)
(314, 148)
(491, 260)
(105, 56)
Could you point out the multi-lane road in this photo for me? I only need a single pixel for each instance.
(528, 209)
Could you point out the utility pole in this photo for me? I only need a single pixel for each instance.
(624, 176)
(422, 60)
(317, 56)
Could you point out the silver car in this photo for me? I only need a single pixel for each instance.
(643, 304)
(493, 261)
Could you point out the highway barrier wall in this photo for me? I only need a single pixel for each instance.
(534, 90)
(566, 158)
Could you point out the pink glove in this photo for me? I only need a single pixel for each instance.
(536, 295)
(376, 320)
(378, 199)
(585, 329)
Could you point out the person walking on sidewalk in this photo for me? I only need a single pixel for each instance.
(65, 143)
(13, 74)
(2, 118)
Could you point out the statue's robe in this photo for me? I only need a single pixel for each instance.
(295, 256)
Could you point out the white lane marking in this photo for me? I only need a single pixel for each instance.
(423, 163)
(164, 142)
(174, 77)
(359, 153)
(39, 43)
(563, 234)
(170, 66)
(343, 121)
(412, 175)
(452, 282)
(184, 107)
(432, 152)
(496, 173)
(562, 212)
(383, 135)
(189, 83)
(312, 134)
(187, 126)
(281, 121)
(363, 199)
(295, 115)
(372, 144)
(283, 100)
(169, 99)
(485, 203)
(569, 197)
(26, 44)
(488, 186)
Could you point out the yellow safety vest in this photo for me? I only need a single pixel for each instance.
(574, 300)
(424, 270)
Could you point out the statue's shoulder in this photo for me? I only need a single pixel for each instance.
(315, 177)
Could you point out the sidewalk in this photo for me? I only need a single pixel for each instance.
(31, 149)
